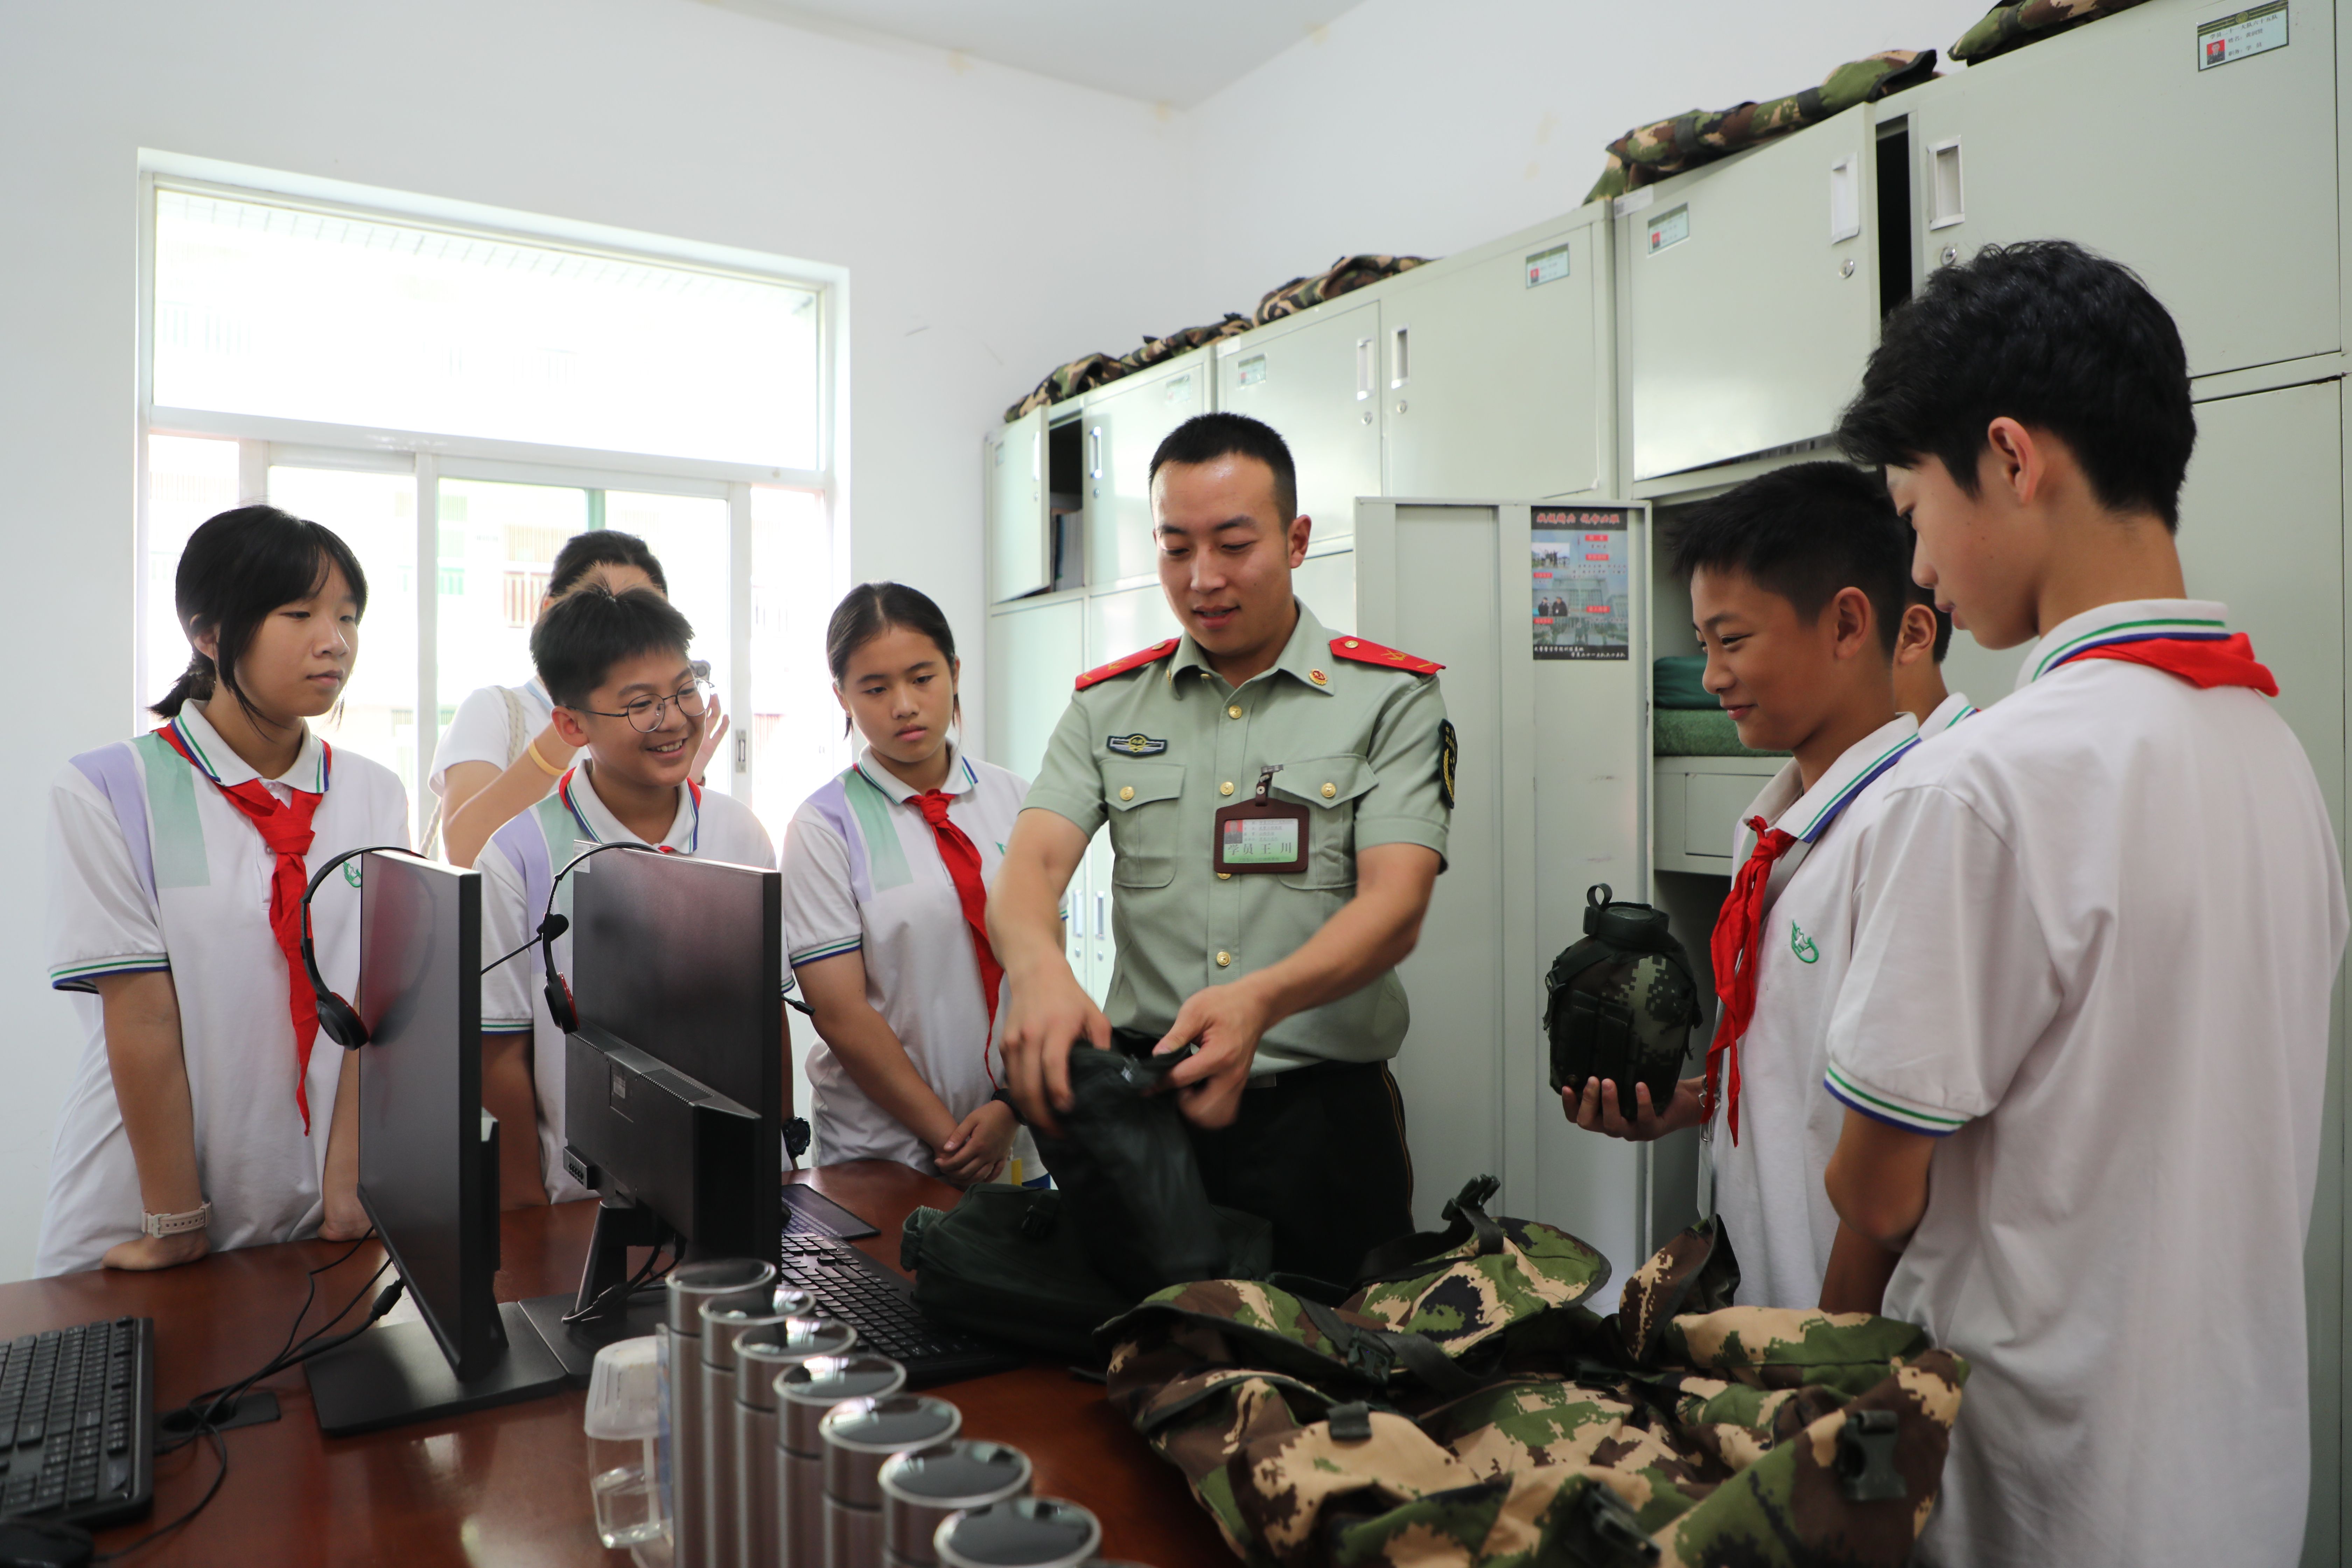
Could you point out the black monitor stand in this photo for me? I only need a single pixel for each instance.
(601, 1313)
(396, 1373)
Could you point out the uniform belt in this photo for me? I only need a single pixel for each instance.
(1136, 1043)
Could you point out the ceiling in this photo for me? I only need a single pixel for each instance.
(1159, 52)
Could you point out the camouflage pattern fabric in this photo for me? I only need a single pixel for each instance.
(1082, 374)
(1344, 276)
(1648, 153)
(1658, 1435)
(2018, 23)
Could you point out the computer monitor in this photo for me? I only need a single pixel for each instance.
(673, 1080)
(428, 1164)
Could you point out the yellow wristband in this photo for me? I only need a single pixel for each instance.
(549, 769)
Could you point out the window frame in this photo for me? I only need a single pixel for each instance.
(266, 441)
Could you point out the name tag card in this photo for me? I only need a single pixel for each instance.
(1261, 834)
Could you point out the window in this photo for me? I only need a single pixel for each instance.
(457, 400)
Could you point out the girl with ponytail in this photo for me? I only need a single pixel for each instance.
(201, 1118)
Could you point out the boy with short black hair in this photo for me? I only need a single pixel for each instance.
(1798, 584)
(628, 695)
(1925, 637)
(2098, 942)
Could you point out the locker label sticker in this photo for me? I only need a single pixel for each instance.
(1180, 388)
(1669, 229)
(2235, 37)
(1548, 266)
(1253, 370)
(1579, 576)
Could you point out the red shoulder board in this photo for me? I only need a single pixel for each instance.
(1151, 655)
(1364, 652)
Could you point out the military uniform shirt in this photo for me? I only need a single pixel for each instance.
(1157, 750)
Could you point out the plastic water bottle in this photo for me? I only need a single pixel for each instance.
(624, 1428)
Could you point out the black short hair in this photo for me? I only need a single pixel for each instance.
(867, 611)
(2054, 337)
(583, 553)
(1806, 532)
(1943, 619)
(238, 568)
(583, 635)
(1205, 438)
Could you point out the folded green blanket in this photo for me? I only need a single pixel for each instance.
(1687, 732)
(1674, 682)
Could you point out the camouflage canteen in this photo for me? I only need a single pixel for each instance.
(1344, 276)
(1621, 1003)
(1648, 153)
(1681, 1431)
(2017, 22)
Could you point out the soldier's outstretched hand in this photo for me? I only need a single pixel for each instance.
(1597, 1111)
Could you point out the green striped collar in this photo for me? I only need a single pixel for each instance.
(1846, 778)
(226, 769)
(2129, 620)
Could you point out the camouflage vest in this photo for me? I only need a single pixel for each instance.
(1466, 1410)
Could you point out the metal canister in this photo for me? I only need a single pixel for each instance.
(919, 1491)
(805, 1395)
(1019, 1532)
(761, 1355)
(722, 1325)
(727, 1282)
(860, 1435)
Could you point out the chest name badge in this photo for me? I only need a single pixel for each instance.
(1262, 834)
(1135, 745)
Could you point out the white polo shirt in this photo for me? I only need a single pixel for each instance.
(482, 729)
(1954, 708)
(1767, 1187)
(151, 867)
(517, 866)
(863, 874)
(2096, 949)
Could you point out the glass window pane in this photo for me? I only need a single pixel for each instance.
(267, 308)
(497, 545)
(188, 481)
(689, 535)
(376, 515)
(796, 725)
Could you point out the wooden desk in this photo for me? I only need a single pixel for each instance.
(510, 1486)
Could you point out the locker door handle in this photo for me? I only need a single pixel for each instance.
(1363, 369)
(1945, 206)
(1102, 908)
(1095, 466)
(1845, 199)
(1400, 366)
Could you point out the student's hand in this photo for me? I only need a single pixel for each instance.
(158, 1251)
(1227, 1022)
(712, 735)
(1598, 1112)
(1046, 1014)
(345, 1219)
(980, 1145)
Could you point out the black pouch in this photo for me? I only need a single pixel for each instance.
(1623, 1003)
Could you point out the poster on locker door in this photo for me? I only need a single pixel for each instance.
(1579, 578)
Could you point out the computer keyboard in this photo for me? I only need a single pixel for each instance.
(848, 1285)
(78, 1422)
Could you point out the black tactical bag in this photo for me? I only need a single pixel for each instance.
(1623, 1003)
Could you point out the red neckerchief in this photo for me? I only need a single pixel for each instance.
(962, 859)
(1736, 946)
(285, 828)
(2203, 662)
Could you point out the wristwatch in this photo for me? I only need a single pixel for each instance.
(175, 1224)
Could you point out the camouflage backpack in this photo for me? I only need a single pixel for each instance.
(1463, 1411)
(1621, 1003)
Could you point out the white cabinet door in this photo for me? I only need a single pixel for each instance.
(1124, 423)
(1315, 381)
(1488, 371)
(1020, 533)
(1035, 654)
(2217, 186)
(1326, 585)
(1752, 318)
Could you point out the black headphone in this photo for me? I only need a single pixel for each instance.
(338, 1019)
(560, 1006)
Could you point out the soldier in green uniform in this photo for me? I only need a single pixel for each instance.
(1267, 934)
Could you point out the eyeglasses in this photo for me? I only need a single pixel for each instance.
(646, 713)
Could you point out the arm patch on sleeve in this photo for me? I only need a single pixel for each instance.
(1448, 750)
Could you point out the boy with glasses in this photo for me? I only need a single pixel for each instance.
(628, 696)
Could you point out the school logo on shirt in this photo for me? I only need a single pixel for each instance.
(1802, 945)
(1137, 745)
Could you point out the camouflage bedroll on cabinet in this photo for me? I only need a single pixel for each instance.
(1464, 1410)
(1648, 153)
(2017, 22)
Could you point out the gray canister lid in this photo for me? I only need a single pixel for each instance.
(723, 1324)
(769, 1349)
(968, 1474)
(727, 1281)
(860, 1434)
(1019, 1532)
(806, 1391)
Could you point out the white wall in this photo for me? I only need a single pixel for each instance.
(661, 115)
(1424, 130)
